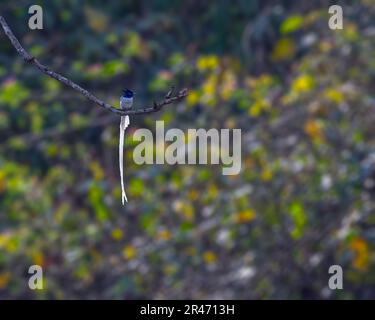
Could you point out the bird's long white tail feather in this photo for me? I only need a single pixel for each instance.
(123, 125)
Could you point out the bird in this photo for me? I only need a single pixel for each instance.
(126, 103)
(126, 100)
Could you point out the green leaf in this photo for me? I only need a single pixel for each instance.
(298, 215)
(291, 24)
(136, 187)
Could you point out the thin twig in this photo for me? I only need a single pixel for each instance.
(32, 60)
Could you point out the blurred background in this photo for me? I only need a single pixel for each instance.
(302, 94)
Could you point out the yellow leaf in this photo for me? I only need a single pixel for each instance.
(170, 269)
(193, 195)
(334, 95)
(4, 238)
(165, 235)
(228, 85)
(193, 98)
(258, 107)
(96, 170)
(361, 253)
(212, 191)
(117, 234)
(2, 180)
(96, 19)
(129, 252)
(246, 216)
(283, 50)
(207, 62)
(38, 259)
(314, 129)
(209, 257)
(266, 174)
(351, 31)
(185, 209)
(303, 83)
(325, 46)
(209, 90)
(4, 279)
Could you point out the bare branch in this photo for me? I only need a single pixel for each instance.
(32, 60)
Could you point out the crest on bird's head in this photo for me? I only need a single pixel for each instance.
(128, 93)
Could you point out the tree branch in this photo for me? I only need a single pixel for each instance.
(168, 99)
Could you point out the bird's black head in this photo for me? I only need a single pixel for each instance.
(128, 93)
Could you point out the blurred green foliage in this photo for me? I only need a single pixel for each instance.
(302, 95)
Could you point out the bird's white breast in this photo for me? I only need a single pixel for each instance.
(126, 103)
